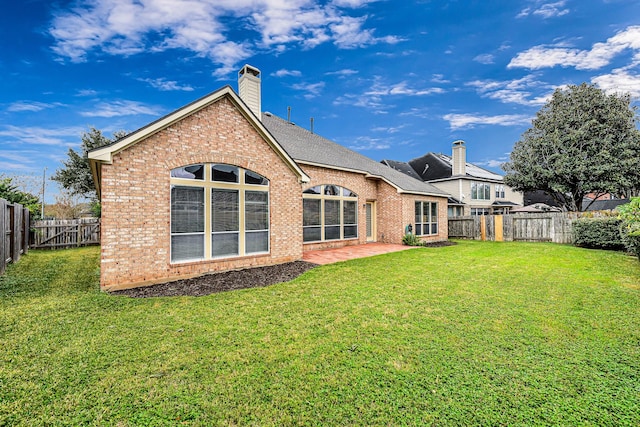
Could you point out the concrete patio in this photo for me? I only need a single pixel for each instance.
(329, 256)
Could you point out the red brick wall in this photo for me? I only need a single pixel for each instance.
(394, 210)
(136, 197)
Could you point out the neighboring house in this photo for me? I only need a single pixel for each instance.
(474, 190)
(219, 185)
(603, 202)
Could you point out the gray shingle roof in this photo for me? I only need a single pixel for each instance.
(472, 170)
(304, 146)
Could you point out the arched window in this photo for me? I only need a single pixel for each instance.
(330, 212)
(218, 211)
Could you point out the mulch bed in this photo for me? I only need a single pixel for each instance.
(231, 280)
(220, 282)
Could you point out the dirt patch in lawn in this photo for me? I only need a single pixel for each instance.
(219, 282)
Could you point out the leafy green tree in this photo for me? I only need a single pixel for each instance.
(76, 176)
(12, 194)
(582, 141)
(630, 229)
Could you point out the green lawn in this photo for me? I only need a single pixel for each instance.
(472, 334)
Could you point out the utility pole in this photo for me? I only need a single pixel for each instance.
(44, 174)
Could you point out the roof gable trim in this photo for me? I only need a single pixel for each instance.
(105, 154)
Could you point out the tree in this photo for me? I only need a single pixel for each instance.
(630, 229)
(66, 206)
(76, 176)
(12, 194)
(582, 141)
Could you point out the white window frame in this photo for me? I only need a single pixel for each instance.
(344, 195)
(480, 187)
(500, 194)
(208, 185)
(431, 218)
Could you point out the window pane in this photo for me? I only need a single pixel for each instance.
(187, 209)
(255, 178)
(474, 190)
(348, 193)
(312, 190)
(310, 212)
(350, 231)
(418, 229)
(487, 191)
(311, 234)
(331, 212)
(256, 241)
(331, 190)
(418, 212)
(332, 232)
(224, 210)
(224, 173)
(434, 212)
(434, 228)
(223, 244)
(349, 212)
(187, 247)
(188, 172)
(256, 210)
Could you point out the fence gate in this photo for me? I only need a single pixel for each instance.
(65, 233)
(543, 227)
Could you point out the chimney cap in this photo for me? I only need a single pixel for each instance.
(249, 69)
(458, 143)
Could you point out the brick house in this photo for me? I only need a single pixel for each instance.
(475, 191)
(218, 185)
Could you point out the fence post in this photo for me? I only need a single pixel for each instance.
(3, 231)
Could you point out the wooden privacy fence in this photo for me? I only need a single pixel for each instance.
(14, 223)
(65, 233)
(543, 227)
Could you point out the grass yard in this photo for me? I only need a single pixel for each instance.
(472, 334)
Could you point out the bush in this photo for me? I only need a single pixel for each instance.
(630, 226)
(411, 240)
(597, 233)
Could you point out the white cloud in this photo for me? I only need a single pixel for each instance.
(310, 90)
(364, 143)
(402, 88)
(341, 73)
(285, 73)
(519, 91)
(128, 27)
(121, 108)
(41, 136)
(393, 129)
(485, 58)
(546, 11)
(166, 85)
(32, 106)
(619, 81)
(461, 121)
(598, 56)
(351, 3)
(86, 92)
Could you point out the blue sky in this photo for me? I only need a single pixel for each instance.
(390, 79)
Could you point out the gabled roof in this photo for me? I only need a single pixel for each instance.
(402, 167)
(105, 154)
(439, 167)
(309, 148)
(471, 169)
(602, 205)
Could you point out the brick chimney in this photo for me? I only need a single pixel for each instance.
(249, 89)
(459, 158)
